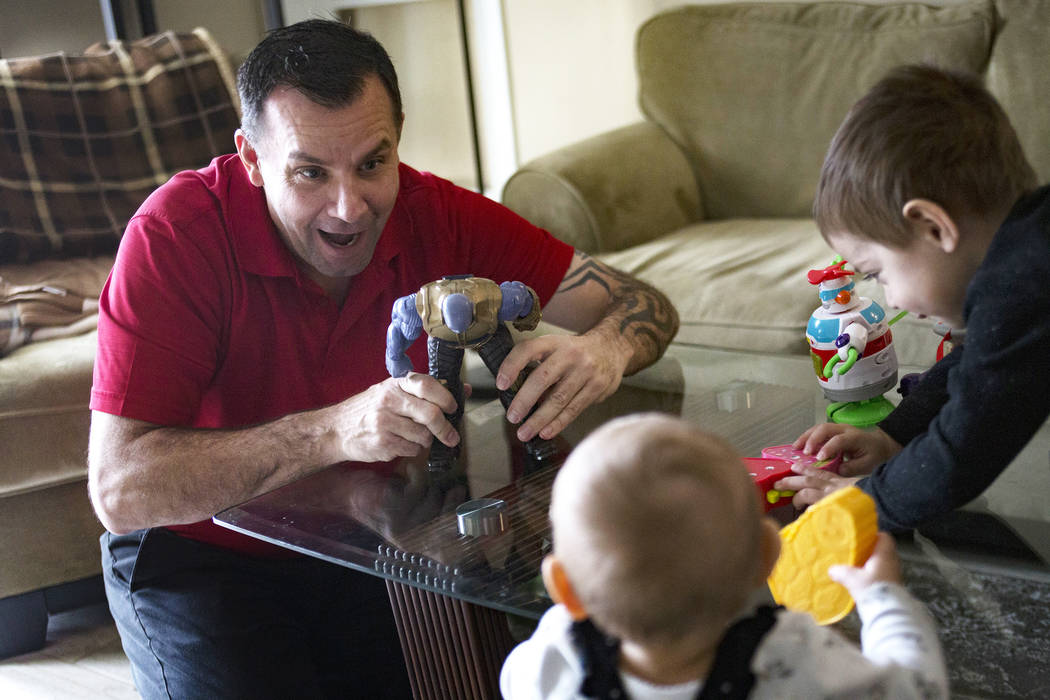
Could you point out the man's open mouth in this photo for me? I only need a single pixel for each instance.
(340, 240)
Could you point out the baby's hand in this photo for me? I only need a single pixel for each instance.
(863, 450)
(882, 565)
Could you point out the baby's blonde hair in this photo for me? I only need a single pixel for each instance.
(657, 525)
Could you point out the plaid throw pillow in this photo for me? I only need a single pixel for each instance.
(85, 138)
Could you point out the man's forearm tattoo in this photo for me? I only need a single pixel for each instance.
(643, 312)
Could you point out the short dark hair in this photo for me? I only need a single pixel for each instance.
(325, 60)
(920, 132)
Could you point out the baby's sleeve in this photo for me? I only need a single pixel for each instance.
(901, 655)
(545, 665)
(897, 629)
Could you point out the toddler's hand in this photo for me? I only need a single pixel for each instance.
(863, 450)
(882, 565)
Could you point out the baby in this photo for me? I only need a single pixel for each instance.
(660, 555)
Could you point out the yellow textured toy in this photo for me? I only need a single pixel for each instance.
(838, 529)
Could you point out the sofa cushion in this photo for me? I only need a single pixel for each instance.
(85, 138)
(738, 85)
(1018, 75)
(44, 416)
(741, 285)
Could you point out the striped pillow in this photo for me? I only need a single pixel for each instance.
(85, 138)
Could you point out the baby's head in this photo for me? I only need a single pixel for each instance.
(917, 179)
(658, 535)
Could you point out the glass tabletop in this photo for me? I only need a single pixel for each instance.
(982, 570)
(398, 520)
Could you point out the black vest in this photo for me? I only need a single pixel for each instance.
(730, 675)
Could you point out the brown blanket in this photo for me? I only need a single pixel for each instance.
(50, 299)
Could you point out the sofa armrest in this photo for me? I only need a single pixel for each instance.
(609, 192)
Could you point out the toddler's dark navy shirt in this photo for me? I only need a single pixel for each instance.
(979, 406)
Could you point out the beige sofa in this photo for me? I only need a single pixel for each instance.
(709, 197)
(84, 140)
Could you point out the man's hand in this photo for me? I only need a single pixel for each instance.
(624, 325)
(812, 484)
(573, 373)
(862, 450)
(398, 417)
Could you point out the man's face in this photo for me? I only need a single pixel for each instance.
(920, 278)
(330, 177)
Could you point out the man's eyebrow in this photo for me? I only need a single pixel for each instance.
(302, 155)
(383, 145)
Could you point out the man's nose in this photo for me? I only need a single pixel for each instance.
(348, 202)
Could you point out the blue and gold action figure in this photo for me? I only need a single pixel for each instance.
(458, 312)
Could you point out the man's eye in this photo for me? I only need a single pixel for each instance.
(309, 173)
(372, 164)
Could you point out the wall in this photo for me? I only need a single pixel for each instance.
(423, 40)
(31, 27)
(572, 68)
(28, 28)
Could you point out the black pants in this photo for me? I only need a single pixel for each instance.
(199, 621)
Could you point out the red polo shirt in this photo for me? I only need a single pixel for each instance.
(206, 321)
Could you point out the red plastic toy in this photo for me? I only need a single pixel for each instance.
(774, 464)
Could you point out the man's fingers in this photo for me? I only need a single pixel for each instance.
(544, 375)
(534, 349)
(393, 428)
(555, 413)
(555, 391)
(425, 387)
(425, 403)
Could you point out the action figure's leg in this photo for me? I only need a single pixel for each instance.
(493, 352)
(445, 360)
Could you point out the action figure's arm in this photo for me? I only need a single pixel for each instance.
(850, 344)
(405, 327)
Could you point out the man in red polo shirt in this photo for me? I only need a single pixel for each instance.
(241, 344)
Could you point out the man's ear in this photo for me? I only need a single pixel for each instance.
(560, 589)
(932, 223)
(769, 547)
(249, 157)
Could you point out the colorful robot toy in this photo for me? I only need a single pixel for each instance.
(852, 349)
(458, 312)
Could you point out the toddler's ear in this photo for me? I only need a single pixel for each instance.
(769, 548)
(933, 223)
(560, 588)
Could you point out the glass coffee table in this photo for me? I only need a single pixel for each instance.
(459, 550)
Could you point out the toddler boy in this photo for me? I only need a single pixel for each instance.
(660, 543)
(926, 189)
